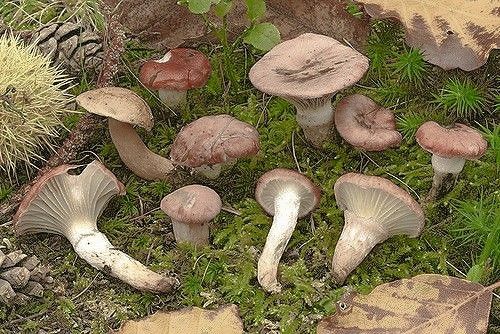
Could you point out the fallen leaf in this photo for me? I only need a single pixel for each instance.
(193, 320)
(165, 24)
(424, 304)
(452, 33)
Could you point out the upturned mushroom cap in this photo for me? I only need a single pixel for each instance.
(366, 125)
(309, 66)
(213, 140)
(381, 201)
(458, 141)
(277, 180)
(57, 201)
(118, 103)
(180, 69)
(193, 204)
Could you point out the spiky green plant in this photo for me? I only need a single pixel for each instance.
(463, 97)
(32, 103)
(410, 65)
(409, 123)
(492, 133)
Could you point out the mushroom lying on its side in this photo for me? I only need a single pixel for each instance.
(374, 210)
(69, 205)
(124, 109)
(450, 147)
(287, 195)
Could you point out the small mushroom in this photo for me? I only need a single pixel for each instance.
(124, 109)
(307, 71)
(366, 125)
(287, 195)
(191, 208)
(69, 205)
(450, 147)
(174, 74)
(213, 141)
(374, 210)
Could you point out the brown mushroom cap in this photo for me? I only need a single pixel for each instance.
(181, 69)
(273, 182)
(309, 66)
(380, 200)
(212, 140)
(366, 125)
(193, 204)
(459, 141)
(118, 103)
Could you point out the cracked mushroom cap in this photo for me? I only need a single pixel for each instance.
(366, 125)
(193, 204)
(309, 66)
(458, 141)
(118, 103)
(213, 140)
(381, 201)
(277, 180)
(59, 200)
(180, 69)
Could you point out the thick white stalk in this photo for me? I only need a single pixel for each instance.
(172, 98)
(197, 234)
(316, 120)
(357, 239)
(286, 211)
(93, 246)
(135, 155)
(443, 166)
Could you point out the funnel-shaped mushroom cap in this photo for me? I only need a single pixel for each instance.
(366, 125)
(180, 69)
(274, 182)
(213, 140)
(59, 202)
(381, 201)
(459, 141)
(118, 103)
(193, 204)
(307, 67)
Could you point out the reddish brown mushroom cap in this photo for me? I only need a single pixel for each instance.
(366, 125)
(213, 140)
(458, 141)
(273, 182)
(180, 69)
(193, 204)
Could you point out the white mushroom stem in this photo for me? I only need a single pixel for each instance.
(93, 246)
(172, 98)
(358, 238)
(315, 117)
(197, 234)
(443, 166)
(135, 155)
(286, 211)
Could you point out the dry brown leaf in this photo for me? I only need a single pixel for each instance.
(452, 33)
(192, 320)
(424, 304)
(166, 24)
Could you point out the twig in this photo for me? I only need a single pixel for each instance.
(17, 321)
(87, 287)
(231, 210)
(293, 152)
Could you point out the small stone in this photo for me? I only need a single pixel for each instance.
(33, 289)
(17, 276)
(7, 294)
(2, 257)
(13, 258)
(39, 274)
(21, 299)
(31, 263)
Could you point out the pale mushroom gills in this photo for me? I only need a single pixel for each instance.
(287, 195)
(307, 71)
(69, 205)
(374, 210)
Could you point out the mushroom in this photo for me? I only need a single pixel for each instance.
(124, 109)
(69, 205)
(450, 147)
(366, 125)
(374, 210)
(212, 141)
(179, 70)
(191, 208)
(287, 195)
(307, 71)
